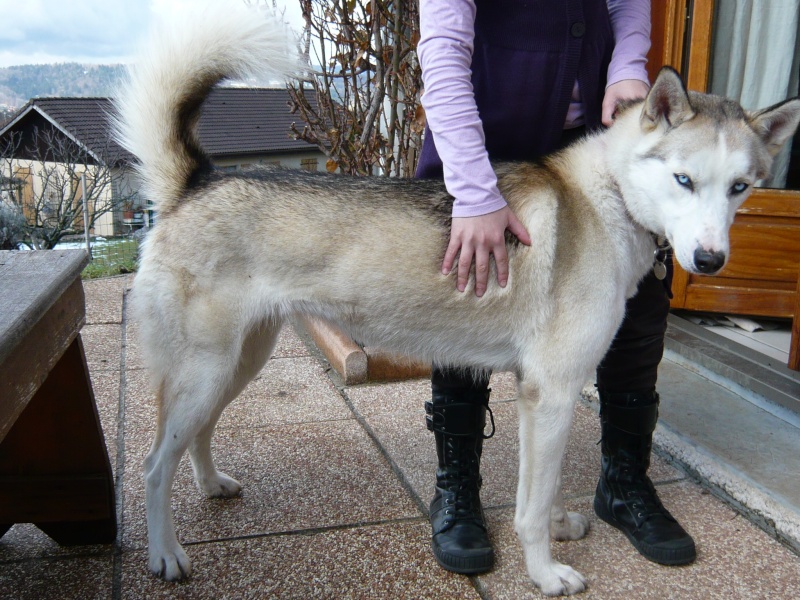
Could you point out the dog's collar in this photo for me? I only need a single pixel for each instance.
(660, 256)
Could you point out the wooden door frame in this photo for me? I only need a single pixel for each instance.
(668, 35)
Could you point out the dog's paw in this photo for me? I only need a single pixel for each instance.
(572, 526)
(171, 565)
(556, 579)
(220, 486)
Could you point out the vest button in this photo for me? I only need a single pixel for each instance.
(578, 29)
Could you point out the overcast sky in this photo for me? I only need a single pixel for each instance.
(85, 31)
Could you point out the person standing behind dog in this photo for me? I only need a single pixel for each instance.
(513, 80)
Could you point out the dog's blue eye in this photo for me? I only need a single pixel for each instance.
(739, 187)
(684, 180)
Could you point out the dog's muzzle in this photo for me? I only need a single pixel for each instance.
(708, 262)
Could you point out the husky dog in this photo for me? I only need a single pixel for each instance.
(364, 253)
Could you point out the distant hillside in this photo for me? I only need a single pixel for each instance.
(20, 84)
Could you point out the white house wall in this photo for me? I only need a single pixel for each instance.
(104, 226)
(291, 160)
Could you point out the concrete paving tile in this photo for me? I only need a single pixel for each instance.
(140, 404)
(388, 561)
(411, 446)
(81, 578)
(133, 352)
(398, 398)
(503, 386)
(26, 541)
(102, 345)
(735, 558)
(105, 385)
(104, 299)
(288, 390)
(395, 414)
(762, 446)
(401, 396)
(294, 477)
(290, 344)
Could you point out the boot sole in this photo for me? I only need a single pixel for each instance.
(469, 565)
(669, 557)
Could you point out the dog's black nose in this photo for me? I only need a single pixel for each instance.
(708, 262)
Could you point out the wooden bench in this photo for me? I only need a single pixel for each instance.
(54, 467)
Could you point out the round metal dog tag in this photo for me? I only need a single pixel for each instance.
(660, 270)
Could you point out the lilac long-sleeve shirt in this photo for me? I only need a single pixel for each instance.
(445, 53)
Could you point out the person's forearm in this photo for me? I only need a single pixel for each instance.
(630, 20)
(445, 53)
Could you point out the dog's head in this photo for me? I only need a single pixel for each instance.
(696, 160)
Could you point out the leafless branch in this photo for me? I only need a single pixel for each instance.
(360, 103)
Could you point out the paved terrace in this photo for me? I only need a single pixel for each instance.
(336, 484)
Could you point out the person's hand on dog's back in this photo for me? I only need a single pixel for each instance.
(477, 238)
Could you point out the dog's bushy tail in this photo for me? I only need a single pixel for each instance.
(159, 104)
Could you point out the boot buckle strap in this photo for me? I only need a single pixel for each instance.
(491, 418)
(430, 416)
(465, 419)
(638, 420)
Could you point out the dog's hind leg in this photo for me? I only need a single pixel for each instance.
(192, 396)
(256, 350)
(566, 525)
(545, 416)
(186, 403)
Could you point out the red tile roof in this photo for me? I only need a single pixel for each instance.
(234, 121)
(249, 121)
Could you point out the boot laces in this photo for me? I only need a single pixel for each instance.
(462, 500)
(645, 503)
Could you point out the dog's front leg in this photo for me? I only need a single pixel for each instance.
(545, 416)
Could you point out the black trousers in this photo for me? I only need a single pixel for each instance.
(631, 364)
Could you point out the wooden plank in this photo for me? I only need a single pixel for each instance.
(33, 357)
(666, 35)
(655, 56)
(47, 499)
(765, 251)
(743, 301)
(699, 67)
(32, 282)
(57, 441)
(772, 202)
(59, 431)
(794, 342)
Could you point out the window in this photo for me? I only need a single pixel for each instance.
(53, 197)
(308, 164)
(11, 190)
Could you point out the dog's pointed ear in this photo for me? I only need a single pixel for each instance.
(667, 102)
(776, 124)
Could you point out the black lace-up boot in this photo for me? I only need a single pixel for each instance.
(459, 539)
(625, 495)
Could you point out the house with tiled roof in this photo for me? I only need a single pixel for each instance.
(241, 126)
(238, 127)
